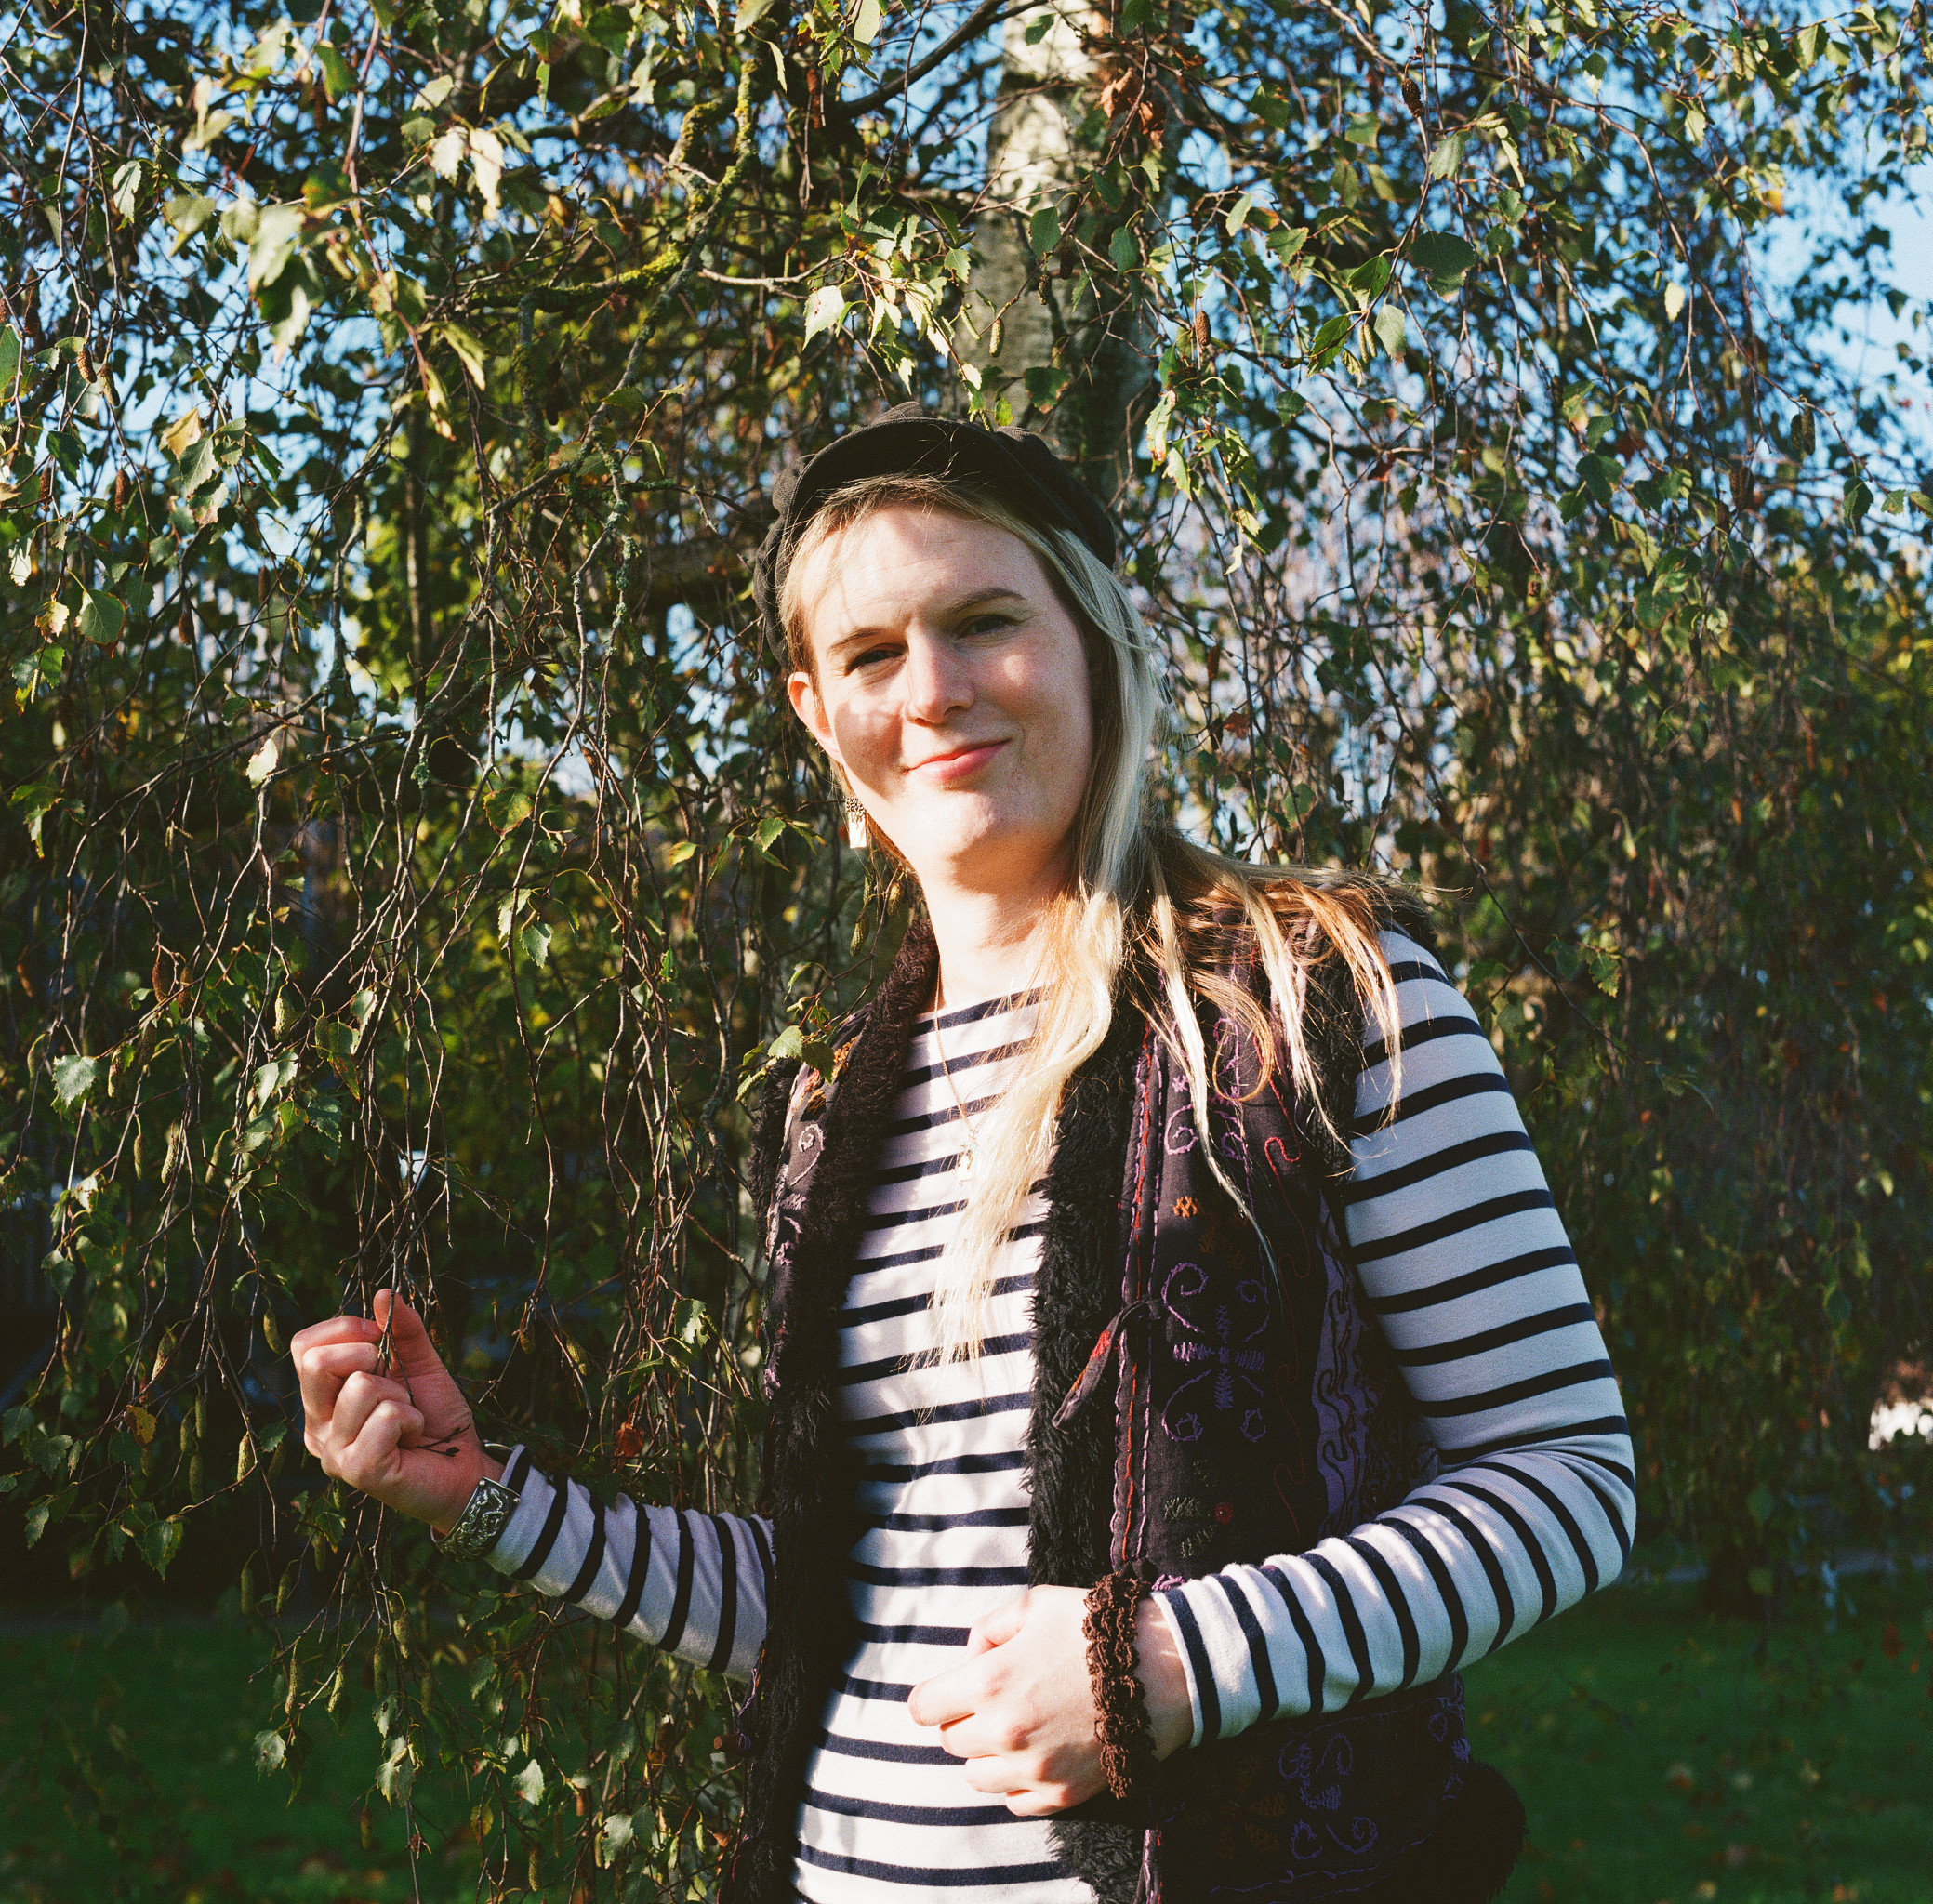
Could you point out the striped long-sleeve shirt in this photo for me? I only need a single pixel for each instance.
(1463, 1259)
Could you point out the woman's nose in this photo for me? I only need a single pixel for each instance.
(938, 678)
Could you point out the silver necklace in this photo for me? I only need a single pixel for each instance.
(970, 1153)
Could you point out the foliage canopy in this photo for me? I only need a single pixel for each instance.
(410, 867)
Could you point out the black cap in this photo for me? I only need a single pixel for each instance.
(1012, 464)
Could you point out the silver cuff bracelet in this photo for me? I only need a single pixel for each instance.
(480, 1526)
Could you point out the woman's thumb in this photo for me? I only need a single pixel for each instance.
(406, 1331)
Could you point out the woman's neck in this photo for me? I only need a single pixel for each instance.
(990, 945)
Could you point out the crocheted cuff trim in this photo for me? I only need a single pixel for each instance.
(1121, 1707)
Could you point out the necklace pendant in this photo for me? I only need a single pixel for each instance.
(965, 1165)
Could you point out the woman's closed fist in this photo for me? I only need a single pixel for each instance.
(394, 1426)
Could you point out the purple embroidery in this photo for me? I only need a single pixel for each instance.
(1341, 1390)
(1319, 1779)
(1181, 1136)
(1221, 1342)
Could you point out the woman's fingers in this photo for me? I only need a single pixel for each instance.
(997, 1628)
(372, 1460)
(1022, 1783)
(947, 1697)
(361, 1396)
(324, 1355)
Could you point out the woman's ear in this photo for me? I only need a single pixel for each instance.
(811, 710)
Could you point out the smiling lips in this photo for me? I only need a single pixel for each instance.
(961, 765)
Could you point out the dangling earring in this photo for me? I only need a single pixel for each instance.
(855, 825)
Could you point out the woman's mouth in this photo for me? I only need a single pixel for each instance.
(961, 763)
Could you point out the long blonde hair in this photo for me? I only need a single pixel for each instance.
(1142, 896)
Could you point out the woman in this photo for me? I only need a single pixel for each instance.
(1177, 1364)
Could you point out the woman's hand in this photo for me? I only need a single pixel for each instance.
(395, 1426)
(1020, 1710)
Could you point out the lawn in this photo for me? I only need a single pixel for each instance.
(1665, 1757)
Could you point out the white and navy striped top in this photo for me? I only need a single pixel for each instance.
(1464, 1261)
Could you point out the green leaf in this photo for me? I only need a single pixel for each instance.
(1288, 242)
(1329, 338)
(337, 77)
(270, 1752)
(1238, 213)
(615, 1834)
(504, 808)
(9, 358)
(36, 798)
(198, 469)
(278, 232)
(1124, 248)
(1446, 157)
(74, 1077)
(161, 1542)
(100, 617)
(751, 12)
(1043, 231)
(1369, 278)
(534, 942)
(1389, 328)
(530, 1783)
(824, 310)
(1858, 498)
(1600, 476)
(127, 189)
(1446, 259)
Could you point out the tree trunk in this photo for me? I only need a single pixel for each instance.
(1075, 326)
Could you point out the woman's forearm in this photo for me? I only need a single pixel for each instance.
(1465, 1264)
(692, 1583)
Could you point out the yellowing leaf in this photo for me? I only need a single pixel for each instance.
(468, 349)
(1674, 301)
(866, 22)
(824, 310)
(447, 153)
(263, 762)
(183, 432)
(486, 167)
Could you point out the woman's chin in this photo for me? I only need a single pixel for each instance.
(983, 856)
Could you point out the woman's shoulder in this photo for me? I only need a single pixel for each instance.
(1316, 913)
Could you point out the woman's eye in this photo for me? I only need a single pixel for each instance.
(867, 657)
(989, 624)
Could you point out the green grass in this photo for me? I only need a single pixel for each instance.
(1662, 1756)
(1668, 1757)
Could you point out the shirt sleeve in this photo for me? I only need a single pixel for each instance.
(694, 1584)
(1465, 1263)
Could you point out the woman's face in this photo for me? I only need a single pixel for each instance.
(952, 686)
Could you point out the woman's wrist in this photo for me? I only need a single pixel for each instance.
(1164, 1678)
(478, 1466)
